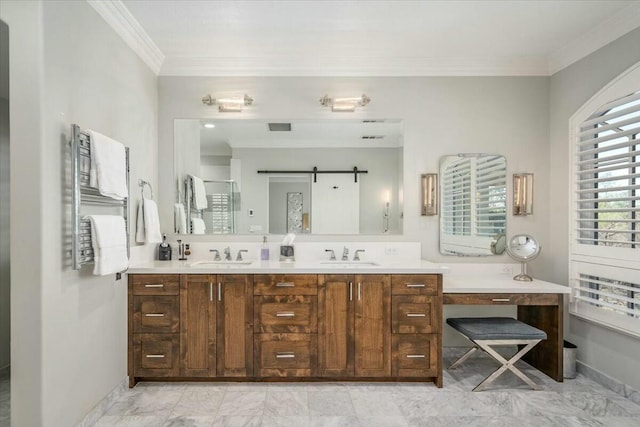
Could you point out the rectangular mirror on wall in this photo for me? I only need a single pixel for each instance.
(473, 213)
(217, 164)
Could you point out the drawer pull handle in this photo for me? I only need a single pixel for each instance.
(500, 300)
(159, 285)
(285, 355)
(350, 291)
(285, 285)
(416, 315)
(415, 356)
(285, 314)
(415, 285)
(154, 315)
(219, 291)
(155, 356)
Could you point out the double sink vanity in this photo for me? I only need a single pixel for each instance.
(314, 320)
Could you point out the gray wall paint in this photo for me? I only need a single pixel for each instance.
(604, 349)
(69, 327)
(5, 202)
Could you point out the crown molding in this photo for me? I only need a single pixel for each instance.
(116, 14)
(619, 24)
(354, 66)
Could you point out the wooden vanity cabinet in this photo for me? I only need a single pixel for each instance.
(354, 325)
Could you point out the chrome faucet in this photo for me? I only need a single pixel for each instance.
(239, 256)
(356, 255)
(216, 254)
(333, 254)
(345, 254)
(227, 254)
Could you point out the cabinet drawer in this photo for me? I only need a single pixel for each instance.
(286, 313)
(156, 355)
(285, 284)
(155, 284)
(415, 355)
(286, 355)
(156, 313)
(504, 299)
(415, 314)
(415, 284)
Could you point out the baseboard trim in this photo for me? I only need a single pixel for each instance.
(101, 407)
(608, 382)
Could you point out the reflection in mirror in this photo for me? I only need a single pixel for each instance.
(226, 156)
(473, 208)
(523, 248)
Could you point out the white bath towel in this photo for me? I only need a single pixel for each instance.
(179, 218)
(197, 226)
(108, 171)
(199, 193)
(109, 240)
(148, 224)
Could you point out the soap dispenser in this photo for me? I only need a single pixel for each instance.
(164, 249)
(264, 250)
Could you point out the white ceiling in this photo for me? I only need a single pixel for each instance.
(378, 37)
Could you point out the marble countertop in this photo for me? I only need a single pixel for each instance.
(301, 267)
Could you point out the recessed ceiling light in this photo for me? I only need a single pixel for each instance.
(209, 125)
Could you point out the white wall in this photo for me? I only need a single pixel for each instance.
(68, 328)
(604, 349)
(441, 115)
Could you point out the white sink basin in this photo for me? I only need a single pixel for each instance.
(350, 263)
(208, 263)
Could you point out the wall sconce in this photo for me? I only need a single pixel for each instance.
(344, 104)
(429, 194)
(385, 212)
(522, 193)
(233, 104)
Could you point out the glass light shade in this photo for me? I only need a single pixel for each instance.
(522, 193)
(429, 194)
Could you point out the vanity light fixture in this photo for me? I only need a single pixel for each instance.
(522, 193)
(429, 194)
(344, 104)
(233, 104)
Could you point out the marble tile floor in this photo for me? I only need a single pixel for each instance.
(5, 398)
(576, 402)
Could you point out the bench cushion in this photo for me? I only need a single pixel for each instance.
(495, 328)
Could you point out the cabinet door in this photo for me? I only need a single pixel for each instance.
(235, 325)
(335, 325)
(372, 325)
(198, 325)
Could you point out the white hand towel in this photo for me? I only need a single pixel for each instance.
(199, 194)
(108, 172)
(179, 218)
(109, 241)
(197, 226)
(148, 223)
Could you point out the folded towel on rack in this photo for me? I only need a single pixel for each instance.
(197, 226)
(199, 193)
(179, 218)
(108, 172)
(109, 241)
(148, 223)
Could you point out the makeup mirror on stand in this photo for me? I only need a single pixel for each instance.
(523, 248)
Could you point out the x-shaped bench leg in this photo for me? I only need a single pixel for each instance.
(506, 364)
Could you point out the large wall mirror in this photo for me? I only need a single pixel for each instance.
(255, 176)
(473, 217)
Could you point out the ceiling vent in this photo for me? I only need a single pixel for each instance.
(372, 136)
(280, 127)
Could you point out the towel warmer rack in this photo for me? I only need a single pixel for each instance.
(83, 194)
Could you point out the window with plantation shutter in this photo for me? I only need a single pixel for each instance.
(456, 204)
(491, 195)
(605, 240)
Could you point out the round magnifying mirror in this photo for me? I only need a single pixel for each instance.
(498, 244)
(523, 248)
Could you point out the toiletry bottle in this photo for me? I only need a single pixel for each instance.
(164, 249)
(264, 251)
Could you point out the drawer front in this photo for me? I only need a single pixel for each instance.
(503, 299)
(155, 284)
(415, 284)
(156, 355)
(160, 314)
(415, 314)
(414, 355)
(286, 313)
(285, 284)
(286, 355)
